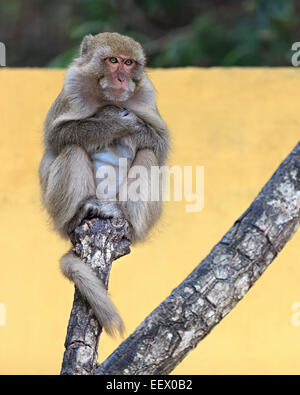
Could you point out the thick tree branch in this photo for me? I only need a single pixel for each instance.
(98, 243)
(214, 287)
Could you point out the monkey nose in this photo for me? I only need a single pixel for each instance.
(121, 77)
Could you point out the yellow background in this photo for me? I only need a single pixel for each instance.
(237, 123)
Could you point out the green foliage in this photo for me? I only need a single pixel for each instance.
(174, 33)
(262, 36)
(63, 60)
(155, 6)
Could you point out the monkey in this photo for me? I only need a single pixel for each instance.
(106, 108)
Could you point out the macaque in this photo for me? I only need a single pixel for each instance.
(105, 111)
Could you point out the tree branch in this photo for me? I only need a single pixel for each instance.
(177, 325)
(98, 243)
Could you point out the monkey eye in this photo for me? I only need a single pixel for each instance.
(128, 62)
(113, 59)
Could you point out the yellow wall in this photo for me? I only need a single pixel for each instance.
(239, 124)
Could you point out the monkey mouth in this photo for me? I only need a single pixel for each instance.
(119, 94)
(118, 91)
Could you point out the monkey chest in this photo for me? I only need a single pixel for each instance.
(111, 165)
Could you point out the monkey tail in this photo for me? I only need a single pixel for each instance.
(93, 289)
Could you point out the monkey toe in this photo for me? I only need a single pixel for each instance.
(101, 209)
(92, 212)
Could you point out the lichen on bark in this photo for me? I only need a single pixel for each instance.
(98, 242)
(209, 293)
(200, 302)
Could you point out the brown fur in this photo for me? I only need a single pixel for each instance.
(84, 118)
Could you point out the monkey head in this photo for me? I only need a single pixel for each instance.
(114, 62)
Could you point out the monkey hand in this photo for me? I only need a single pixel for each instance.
(92, 208)
(118, 120)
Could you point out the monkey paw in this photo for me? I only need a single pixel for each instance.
(93, 208)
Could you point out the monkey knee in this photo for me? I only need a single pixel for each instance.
(44, 167)
(70, 181)
(75, 150)
(75, 155)
(149, 154)
(145, 158)
(142, 216)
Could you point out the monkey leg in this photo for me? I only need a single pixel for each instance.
(144, 212)
(67, 180)
(69, 190)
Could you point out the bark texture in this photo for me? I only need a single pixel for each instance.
(98, 243)
(210, 292)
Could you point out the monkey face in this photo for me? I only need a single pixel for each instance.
(120, 68)
(117, 63)
(117, 84)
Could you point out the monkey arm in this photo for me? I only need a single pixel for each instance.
(156, 140)
(153, 133)
(84, 133)
(110, 124)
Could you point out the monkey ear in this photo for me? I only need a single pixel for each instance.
(85, 44)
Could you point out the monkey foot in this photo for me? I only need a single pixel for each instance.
(94, 208)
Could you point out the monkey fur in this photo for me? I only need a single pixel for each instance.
(107, 101)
